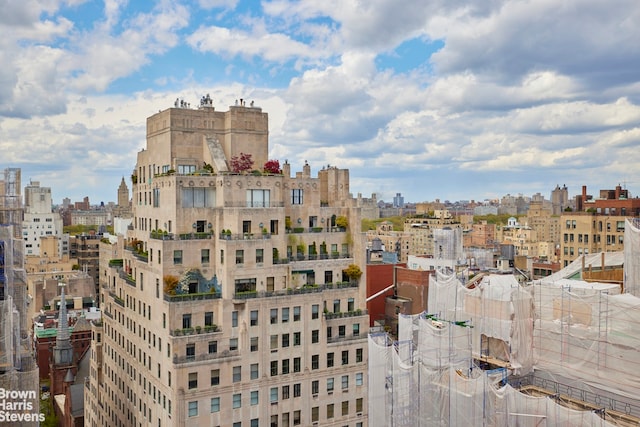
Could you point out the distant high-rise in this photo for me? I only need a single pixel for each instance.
(39, 219)
(235, 300)
(559, 199)
(123, 194)
(398, 201)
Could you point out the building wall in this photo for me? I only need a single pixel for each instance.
(175, 339)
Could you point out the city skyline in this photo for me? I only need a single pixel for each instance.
(440, 101)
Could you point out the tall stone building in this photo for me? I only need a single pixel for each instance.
(231, 305)
(18, 369)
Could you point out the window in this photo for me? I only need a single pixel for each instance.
(254, 318)
(239, 256)
(191, 351)
(274, 316)
(329, 332)
(315, 310)
(259, 256)
(345, 357)
(345, 382)
(237, 374)
(254, 397)
(315, 336)
(350, 304)
(345, 407)
(273, 394)
(254, 371)
(285, 366)
(359, 378)
(315, 361)
(285, 392)
(215, 404)
(315, 387)
(254, 343)
(186, 169)
(296, 338)
(336, 306)
(255, 422)
(296, 313)
(342, 330)
(358, 355)
(296, 390)
(329, 385)
(285, 315)
(296, 418)
(285, 420)
(198, 197)
(193, 380)
(285, 340)
(297, 196)
(177, 259)
(233, 344)
(274, 342)
(186, 321)
(330, 360)
(296, 364)
(274, 368)
(213, 347)
(193, 408)
(215, 377)
(208, 318)
(315, 413)
(356, 329)
(258, 198)
(237, 400)
(234, 319)
(330, 410)
(204, 256)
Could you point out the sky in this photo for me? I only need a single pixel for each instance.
(434, 99)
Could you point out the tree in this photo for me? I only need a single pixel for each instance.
(243, 163)
(352, 272)
(272, 166)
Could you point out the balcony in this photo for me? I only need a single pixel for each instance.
(129, 280)
(298, 230)
(195, 331)
(343, 338)
(206, 356)
(315, 257)
(192, 297)
(306, 289)
(244, 236)
(117, 299)
(161, 235)
(329, 315)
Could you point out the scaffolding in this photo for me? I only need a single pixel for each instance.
(631, 261)
(18, 369)
(484, 355)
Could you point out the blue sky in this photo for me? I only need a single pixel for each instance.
(436, 100)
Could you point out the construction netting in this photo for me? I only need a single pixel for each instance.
(632, 256)
(588, 332)
(432, 376)
(413, 385)
(498, 308)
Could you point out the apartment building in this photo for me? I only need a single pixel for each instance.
(421, 229)
(230, 304)
(39, 219)
(597, 225)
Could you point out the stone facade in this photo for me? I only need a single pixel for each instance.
(229, 305)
